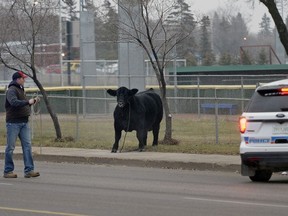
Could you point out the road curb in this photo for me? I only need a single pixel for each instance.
(134, 162)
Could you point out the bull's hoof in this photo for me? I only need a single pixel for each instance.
(141, 149)
(114, 151)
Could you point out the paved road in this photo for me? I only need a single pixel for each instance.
(83, 189)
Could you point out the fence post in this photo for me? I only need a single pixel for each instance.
(242, 94)
(77, 120)
(216, 118)
(175, 82)
(198, 96)
(84, 96)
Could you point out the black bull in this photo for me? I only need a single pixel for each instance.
(141, 112)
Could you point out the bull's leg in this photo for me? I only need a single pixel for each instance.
(142, 138)
(116, 143)
(156, 129)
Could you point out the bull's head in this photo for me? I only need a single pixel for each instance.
(123, 95)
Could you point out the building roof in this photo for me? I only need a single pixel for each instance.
(226, 68)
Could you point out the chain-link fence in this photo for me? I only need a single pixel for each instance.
(217, 126)
(201, 113)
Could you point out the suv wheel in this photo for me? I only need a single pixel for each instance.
(261, 176)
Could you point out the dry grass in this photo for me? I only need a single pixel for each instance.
(195, 134)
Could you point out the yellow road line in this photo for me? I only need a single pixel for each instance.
(39, 212)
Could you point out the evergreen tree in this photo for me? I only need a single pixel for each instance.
(246, 58)
(209, 59)
(110, 13)
(106, 31)
(238, 31)
(181, 16)
(215, 33)
(205, 43)
(182, 20)
(89, 6)
(228, 35)
(265, 34)
(71, 7)
(111, 30)
(221, 34)
(225, 59)
(262, 57)
(191, 59)
(265, 26)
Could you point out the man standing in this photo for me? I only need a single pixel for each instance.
(18, 110)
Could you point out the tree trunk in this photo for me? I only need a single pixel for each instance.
(48, 106)
(168, 120)
(278, 20)
(168, 116)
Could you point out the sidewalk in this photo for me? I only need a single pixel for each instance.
(141, 159)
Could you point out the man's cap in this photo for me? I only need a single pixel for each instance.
(19, 74)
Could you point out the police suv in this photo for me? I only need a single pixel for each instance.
(264, 132)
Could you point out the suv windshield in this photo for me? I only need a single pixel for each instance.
(268, 102)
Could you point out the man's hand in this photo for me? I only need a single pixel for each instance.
(34, 100)
(37, 99)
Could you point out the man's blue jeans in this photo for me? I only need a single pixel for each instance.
(21, 130)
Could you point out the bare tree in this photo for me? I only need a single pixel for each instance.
(278, 20)
(24, 21)
(150, 30)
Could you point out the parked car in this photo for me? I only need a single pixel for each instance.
(112, 68)
(108, 69)
(55, 68)
(75, 67)
(264, 132)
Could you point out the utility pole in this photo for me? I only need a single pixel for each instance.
(60, 42)
(69, 45)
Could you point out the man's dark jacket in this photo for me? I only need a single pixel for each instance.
(16, 105)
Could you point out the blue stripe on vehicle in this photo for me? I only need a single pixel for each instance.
(256, 140)
(274, 138)
(263, 140)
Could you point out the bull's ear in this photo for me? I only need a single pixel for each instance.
(111, 92)
(133, 91)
